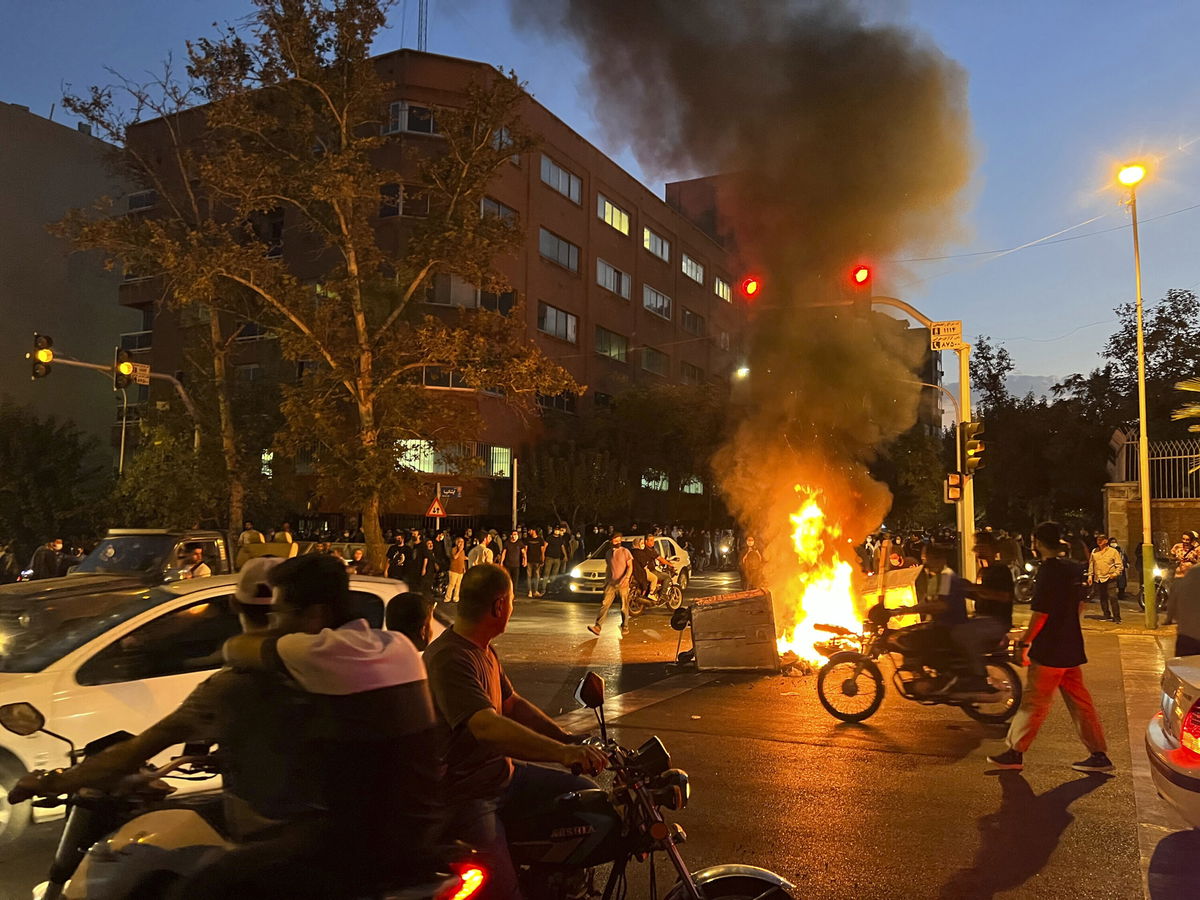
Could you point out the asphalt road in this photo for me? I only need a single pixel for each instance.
(903, 806)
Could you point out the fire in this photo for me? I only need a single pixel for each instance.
(821, 590)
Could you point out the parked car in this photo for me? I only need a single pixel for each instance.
(588, 576)
(123, 668)
(1173, 738)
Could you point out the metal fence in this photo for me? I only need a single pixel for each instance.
(1174, 468)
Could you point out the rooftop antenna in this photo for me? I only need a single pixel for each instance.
(422, 25)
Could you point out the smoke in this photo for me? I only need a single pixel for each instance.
(839, 139)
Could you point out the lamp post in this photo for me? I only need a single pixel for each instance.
(1131, 176)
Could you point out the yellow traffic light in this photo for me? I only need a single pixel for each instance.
(45, 355)
(42, 355)
(122, 370)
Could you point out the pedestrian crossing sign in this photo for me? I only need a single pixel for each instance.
(436, 510)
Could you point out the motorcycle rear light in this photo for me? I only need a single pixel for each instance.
(471, 879)
(1189, 731)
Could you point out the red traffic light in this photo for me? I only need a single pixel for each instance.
(751, 286)
(860, 275)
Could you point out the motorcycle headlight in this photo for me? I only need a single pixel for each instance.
(1028, 567)
(575, 573)
(672, 789)
(651, 758)
(1158, 573)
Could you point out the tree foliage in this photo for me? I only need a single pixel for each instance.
(168, 485)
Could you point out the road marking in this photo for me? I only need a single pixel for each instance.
(632, 701)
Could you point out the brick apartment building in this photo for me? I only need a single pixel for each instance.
(617, 285)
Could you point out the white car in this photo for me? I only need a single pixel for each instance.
(1173, 738)
(95, 665)
(588, 576)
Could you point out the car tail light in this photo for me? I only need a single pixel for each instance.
(1189, 731)
(471, 879)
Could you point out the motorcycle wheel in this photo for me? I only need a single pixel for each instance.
(674, 596)
(684, 578)
(850, 687)
(1024, 590)
(1005, 679)
(637, 605)
(740, 887)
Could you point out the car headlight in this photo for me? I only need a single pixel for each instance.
(1028, 567)
(575, 573)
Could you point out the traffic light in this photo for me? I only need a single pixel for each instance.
(42, 355)
(122, 370)
(952, 489)
(860, 276)
(751, 286)
(971, 441)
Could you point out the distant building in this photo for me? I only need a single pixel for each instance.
(46, 169)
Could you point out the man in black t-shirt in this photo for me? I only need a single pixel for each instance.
(556, 553)
(490, 734)
(512, 557)
(1055, 655)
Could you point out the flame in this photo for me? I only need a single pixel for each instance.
(820, 590)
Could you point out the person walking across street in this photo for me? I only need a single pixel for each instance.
(556, 553)
(1104, 568)
(458, 568)
(619, 564)
(1054, 649)
(512, 557)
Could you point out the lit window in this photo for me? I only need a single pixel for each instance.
(613, 345)
(692, 485)
(266, 462)
(723, 340)
(654, 481)
(656, 244)
(558, 250)
(612, 214)
(499, 462)
(656, 301)
(565, 182)
(693, 323)
(557, 322)
(693, 269)
(405, 116)
(690, 374)
(655, 361)
(613, 279)
(722, 289)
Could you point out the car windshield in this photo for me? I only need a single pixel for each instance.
(602, 550)
(128, 554)
(34, 636)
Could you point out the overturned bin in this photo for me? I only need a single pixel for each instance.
(735, 632)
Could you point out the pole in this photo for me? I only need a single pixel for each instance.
(1148, 591)
(124, 419)
(967, 506)
(514, 496)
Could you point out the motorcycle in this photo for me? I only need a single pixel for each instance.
(125, 843)
(1161, 590)
(850, 685)
(1025, 580)
(669, 593)
(584, 829)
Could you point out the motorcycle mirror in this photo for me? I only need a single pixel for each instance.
(590, 692)
(681, 618)
(22, 718)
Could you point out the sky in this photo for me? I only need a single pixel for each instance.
(1060, 93)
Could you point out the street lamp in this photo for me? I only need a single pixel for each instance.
(1130, 176)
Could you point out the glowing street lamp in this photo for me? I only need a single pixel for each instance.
(1130, 176)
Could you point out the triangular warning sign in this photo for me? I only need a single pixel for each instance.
(436, 510)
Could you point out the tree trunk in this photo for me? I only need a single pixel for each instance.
(373, 531)
(229, 447)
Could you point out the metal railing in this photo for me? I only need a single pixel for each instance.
(1174, 468)
(134, 341)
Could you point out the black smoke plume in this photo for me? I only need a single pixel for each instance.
(840, 138)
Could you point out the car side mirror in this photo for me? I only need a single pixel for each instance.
(590, 692)
(22, 718)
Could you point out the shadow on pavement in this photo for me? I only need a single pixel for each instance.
(1173, 873)
(1017, 840)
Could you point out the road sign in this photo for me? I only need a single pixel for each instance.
(945, 335)
(141, 373)
(451, 492)
(436, 510)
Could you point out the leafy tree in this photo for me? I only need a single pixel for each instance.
(990, 367)
(575, 484)
(914, 468)
(52, 481)
(167, 484)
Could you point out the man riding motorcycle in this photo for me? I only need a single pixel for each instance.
(650, 568)
(491, 735)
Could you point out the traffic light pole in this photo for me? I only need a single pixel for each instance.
(158, 376)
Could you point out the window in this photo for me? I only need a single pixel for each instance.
(502, 139)
(450, 290)
(266, 463)
(721, 289)
(693, 323)
(693, 269)
(656, 301)
(499, 462)
(557, 322)
(489, 206)
(602, 400)
(654, 481)
(655, 361)
(183, 640)
(251, 331)
(723, 340)
(656, 244)
(690, 374)
(566, 183)
(270, 232)
(405, 116)
(389, 201)
(612, 214)
(498, 302)
(564, 402)
(142, 200)
(304, 368)
(613, 345)
(248, 374)
(613, 279)
(692, 485)
(414, 201)
(558, 250)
